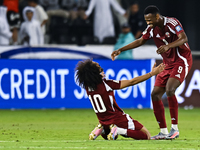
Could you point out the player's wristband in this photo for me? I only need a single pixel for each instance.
(150, 74)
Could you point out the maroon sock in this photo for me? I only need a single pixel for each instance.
(136, 134)
(173, 108)
(159, 113)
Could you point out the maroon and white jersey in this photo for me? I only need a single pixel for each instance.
(104, 103)
(168, 34)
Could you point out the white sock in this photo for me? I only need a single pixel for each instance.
(175, 126)
(121, 131)
(164, 130)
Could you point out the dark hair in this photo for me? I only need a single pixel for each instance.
(88, 74)
(151, 9)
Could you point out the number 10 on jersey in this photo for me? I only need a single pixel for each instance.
(98, 102)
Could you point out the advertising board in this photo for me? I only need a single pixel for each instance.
(36, 84)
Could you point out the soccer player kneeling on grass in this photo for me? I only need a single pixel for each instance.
(112, 120)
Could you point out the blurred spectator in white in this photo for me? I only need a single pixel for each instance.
(30, 31)
(125, 38)
(76, 8)
(136, 20)
(40, 14)
(5, 33)
(103, 19)
(13, 18)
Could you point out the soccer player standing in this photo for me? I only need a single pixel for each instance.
(171, 41)
(112, 120)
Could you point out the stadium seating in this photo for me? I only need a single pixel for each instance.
(89, 40)
(109, 40)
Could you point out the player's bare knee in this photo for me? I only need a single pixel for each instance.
(155, 96)
(170, 92)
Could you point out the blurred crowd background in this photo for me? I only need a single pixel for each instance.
(82, 22)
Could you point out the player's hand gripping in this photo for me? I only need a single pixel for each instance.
(162, 49)
(156, 70)
(115, 53)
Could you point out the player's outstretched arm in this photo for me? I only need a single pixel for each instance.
(155, 70)
(132, 45)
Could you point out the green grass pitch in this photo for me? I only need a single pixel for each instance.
(69, 129)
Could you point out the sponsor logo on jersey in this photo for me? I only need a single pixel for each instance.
(178, 28)
(167, 34)
(158, 36)
(173, 119)
(178, 75)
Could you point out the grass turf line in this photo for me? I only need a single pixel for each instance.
(69, 129)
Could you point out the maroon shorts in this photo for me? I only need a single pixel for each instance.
(125, 121)
(179, 72)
